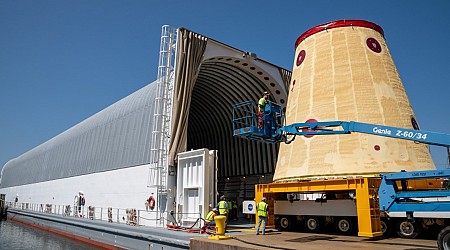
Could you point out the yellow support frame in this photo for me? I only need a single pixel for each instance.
(366, 198)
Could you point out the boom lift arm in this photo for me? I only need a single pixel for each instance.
(245, 120)
(343, 127)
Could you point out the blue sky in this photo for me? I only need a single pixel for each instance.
(63, 61)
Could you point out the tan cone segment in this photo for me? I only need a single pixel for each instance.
(343, 71)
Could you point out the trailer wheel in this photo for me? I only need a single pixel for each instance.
(344, 225)
(407, 229)
(284, 223)
(313, 224)
(443, 239)
(386, 227)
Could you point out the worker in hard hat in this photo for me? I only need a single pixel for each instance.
(262, 208)
(263, 101)
(223, 206)
(209, 220)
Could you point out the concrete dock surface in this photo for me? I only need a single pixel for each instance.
(297, 240)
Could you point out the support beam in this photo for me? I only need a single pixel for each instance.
(368, 209)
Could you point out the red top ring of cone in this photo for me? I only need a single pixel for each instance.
(338, 24)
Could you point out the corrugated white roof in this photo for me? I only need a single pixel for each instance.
(118, 136)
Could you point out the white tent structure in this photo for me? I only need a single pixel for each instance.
(127, 151)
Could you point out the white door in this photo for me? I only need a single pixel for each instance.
(192, 202)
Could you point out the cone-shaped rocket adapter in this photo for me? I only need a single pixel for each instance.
(343, 71)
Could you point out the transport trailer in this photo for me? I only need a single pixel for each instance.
(316, 212)
(345, 204)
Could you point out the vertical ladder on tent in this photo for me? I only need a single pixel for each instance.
(162, 113)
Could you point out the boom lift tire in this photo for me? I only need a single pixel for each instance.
(408, 229)
(313, 224)
(386, 227)
(443, 239)
(344, 225)
(285, 222)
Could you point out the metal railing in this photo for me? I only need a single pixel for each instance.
(131, 216)
(244, 115)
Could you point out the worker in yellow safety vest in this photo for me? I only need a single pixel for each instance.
(223, 206)
(209, 220)
(235, 211)
(262, 208)
(263, 101)
(230, 209)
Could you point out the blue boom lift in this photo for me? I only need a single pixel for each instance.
(394, 201)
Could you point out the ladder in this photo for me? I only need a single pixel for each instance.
(162, 111)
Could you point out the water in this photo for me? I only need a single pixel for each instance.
(14, 235)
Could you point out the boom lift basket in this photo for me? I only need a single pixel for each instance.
(245, 121)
